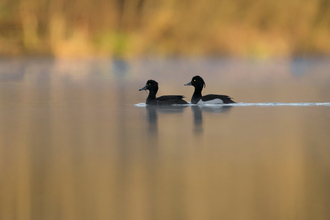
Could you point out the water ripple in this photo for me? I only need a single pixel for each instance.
(256, 104)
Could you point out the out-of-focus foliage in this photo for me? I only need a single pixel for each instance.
(128, 28)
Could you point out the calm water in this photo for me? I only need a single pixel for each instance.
(74, 145)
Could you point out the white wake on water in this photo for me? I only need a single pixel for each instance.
(141, 105)
(266, 104)
(280, 104)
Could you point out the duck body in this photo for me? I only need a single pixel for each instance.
(152, 86)
(197, 97)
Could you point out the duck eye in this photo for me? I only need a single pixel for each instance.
(194, 80)
(149, 84)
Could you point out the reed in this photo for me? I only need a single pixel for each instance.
(131, 28)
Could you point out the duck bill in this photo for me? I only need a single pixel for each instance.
(144, 88)
(188, 84)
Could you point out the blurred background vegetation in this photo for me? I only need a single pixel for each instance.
(131, 28)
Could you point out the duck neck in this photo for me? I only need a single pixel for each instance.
(197, 95)
(151, 96)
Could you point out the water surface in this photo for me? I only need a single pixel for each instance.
(74, 144)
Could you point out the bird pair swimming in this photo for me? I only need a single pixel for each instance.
(197, 97)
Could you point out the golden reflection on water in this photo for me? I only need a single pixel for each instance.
(84, 151)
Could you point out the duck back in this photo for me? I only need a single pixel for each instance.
(225, 99)
(170, 100)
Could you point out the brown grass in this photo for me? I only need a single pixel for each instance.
(245, 28)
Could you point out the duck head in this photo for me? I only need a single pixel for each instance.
(151, 85)
(196, 82)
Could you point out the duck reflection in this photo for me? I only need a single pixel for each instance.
(152, 115)
(198, 114)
